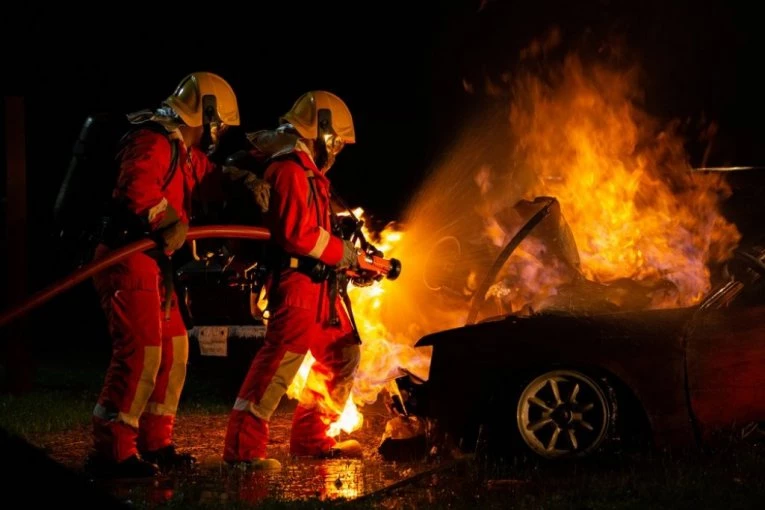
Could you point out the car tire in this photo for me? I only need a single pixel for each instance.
(563, 414)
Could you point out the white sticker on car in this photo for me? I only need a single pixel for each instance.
(213, 341)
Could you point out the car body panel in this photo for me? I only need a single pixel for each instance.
(726, 369)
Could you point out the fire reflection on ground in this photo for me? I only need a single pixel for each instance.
(212, 482)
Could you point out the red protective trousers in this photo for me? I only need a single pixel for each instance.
(139, 398)
(138, 402)
(299, 220)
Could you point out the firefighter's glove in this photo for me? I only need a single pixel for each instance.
(259, 188)
(261, 191)
(174, 236)
(170, 232)
(350, 256)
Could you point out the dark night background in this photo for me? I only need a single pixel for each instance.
(398, 65)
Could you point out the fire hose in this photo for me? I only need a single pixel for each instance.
(95, 267)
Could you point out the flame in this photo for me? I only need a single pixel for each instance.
(637, 211)
(350, 418)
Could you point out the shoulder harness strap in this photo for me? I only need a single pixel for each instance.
(173, 163)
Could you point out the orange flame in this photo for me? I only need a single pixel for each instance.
(350, 418)
(636, 209)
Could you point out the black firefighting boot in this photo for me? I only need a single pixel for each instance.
(168, 458)
(99, 466)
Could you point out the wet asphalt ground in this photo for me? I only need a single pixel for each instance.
(214, 482)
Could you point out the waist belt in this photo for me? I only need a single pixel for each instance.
(315, 269)
(337, 285)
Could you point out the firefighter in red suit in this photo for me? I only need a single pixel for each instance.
(300, 152)
(161, 165)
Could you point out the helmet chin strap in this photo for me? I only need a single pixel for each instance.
(209, 141)
(324, 160)
(211, 124)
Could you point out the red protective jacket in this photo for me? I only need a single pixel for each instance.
(300, 224)
(145, 163)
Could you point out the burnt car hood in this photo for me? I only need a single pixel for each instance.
(567, 329)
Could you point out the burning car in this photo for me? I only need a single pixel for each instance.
(593, 365)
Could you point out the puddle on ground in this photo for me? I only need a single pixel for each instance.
(212, 481)
(297, 480)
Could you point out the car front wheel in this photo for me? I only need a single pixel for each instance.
(563, 414)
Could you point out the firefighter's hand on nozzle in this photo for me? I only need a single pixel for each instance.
(350, 255)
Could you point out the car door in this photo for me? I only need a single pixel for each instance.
(725, 352)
